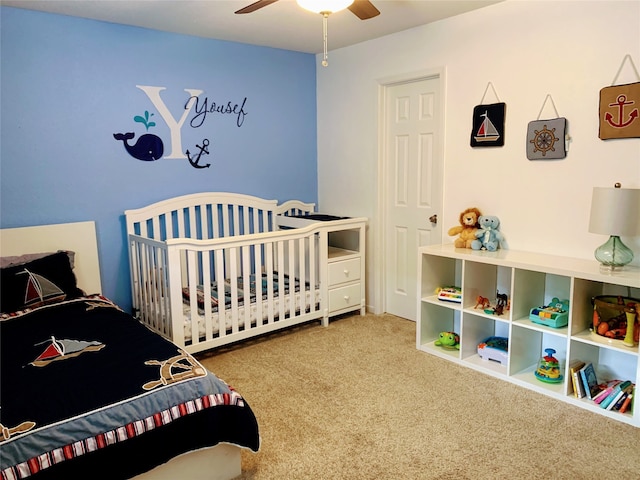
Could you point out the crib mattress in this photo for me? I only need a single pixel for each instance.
(258, 288)
(253, 314)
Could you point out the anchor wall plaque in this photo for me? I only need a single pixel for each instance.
(619, 111)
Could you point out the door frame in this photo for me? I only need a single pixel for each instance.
(380, 274)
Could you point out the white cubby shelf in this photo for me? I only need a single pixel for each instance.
(530, 280)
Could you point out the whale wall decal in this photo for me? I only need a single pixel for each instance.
(148, 148)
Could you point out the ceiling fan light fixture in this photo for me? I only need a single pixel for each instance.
(324, 6)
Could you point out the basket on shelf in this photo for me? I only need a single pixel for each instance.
(610, 314)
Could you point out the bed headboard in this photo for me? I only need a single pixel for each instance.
(79, 237)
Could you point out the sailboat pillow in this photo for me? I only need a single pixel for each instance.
(39, 282)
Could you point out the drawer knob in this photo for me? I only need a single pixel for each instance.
(346, 297)
(346, 272)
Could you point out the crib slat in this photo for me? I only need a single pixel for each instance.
(257, 269)
(233, 276)
(181, 233)
(215, 222)
(302, 275)
(234, 220)
(193, 295)
(255, 216)
(291, 270)
(246, 229)
(269, 246)
(313, 265)
(280, 259)
(155, 225)
(206, 289)
(225, 221)
(246, 285)
(219, 279)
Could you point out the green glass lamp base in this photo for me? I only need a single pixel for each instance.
(613, 255)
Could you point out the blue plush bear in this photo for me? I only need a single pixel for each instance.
(488, 236)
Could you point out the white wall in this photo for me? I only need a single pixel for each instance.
(526, 49)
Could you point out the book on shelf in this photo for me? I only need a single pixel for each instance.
(620, 401)
(615, 395)
(576, 381)
(617, 403)
(589, 380)
(626, 403)
(606, 390)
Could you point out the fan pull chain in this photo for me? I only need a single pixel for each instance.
(325, 21)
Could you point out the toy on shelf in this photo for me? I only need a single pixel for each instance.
(555, 315)
(450, 294)
(495, 349)
(448, 341)
(488, 236)
(548, 368)
(631, 338)
(482, 302)
(610, 319)
(467, 229)
(502, 304)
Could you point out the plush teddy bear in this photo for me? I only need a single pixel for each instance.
(488, 237)
(467, 229)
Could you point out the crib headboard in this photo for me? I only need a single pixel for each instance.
(79, 237)
(295, 207)
(208, 215)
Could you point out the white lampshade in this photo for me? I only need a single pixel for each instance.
(615, 211)
(324, 6)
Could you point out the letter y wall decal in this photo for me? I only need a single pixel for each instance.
(150, 147)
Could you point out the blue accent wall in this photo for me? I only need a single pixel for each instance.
(69, 84)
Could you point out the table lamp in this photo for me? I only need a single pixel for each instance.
(614, 212)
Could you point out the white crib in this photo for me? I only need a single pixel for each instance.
(209, 269)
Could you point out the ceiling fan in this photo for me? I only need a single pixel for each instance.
(363, 9)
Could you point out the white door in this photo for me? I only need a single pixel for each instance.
(413, 159)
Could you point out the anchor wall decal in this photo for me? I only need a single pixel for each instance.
(195, 163)
(621, 101)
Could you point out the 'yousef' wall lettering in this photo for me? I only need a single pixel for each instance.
(175, 126)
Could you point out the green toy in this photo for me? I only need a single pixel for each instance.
(448, 340)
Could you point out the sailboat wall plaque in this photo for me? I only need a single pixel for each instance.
(488, 125)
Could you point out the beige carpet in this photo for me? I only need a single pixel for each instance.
(356, 400)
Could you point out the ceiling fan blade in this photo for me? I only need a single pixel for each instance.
(364, 9)
(255, 6)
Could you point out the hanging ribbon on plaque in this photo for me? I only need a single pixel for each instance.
(488, 122)
(547, 139)
(620, 107)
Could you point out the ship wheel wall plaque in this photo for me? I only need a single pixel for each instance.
(546, 139)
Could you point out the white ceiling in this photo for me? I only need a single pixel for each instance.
(280, 25)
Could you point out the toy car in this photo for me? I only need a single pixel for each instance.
(495, 349)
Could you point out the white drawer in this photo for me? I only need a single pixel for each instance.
(344, 271)
(344, 297)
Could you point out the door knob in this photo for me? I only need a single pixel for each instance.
(433, 219)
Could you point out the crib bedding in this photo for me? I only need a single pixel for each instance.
(215, 289)
(282, 291)
(86, 388)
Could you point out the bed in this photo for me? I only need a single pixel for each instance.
(90, 392)
(212, 268)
